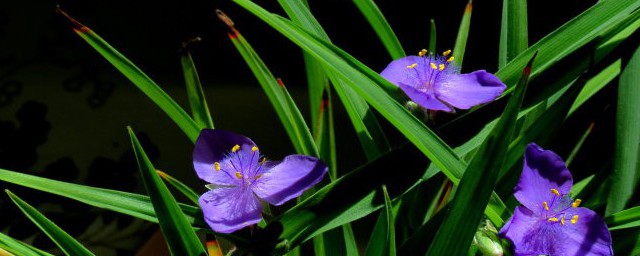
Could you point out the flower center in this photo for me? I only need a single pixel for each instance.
(242, 164)
(558, 214)
(431, 69)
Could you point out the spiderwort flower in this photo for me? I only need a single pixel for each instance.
(435, 82)
(549, 222)
(241, 178)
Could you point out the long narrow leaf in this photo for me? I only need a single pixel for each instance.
(628, 218)
(68, 244)
(383, 241)
(180, 237)
(380, 25)
(626, 171)
(138, 78)
(459, 225)
(514, 32)
(19, 248)
(184, 189)
(432, 36)
(197, 101)
(463, 34)
(135, 205)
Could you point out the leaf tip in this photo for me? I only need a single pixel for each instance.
(184, 48)
(77, 26)
(229, 22)
(280, 83)
(527, 69)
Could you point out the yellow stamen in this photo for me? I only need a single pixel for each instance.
(441, 67)
(555, 192)
(433, 66)
(257, 176)
(446, 53)
(412, 65)
(574, 219)
(562, 220)
(238, 175)
(553, 219)
(422, 52)
(576, 203)
(254, 148)
(450, 59)
(264, 159)
(546, 206)
(216, 166)
(235, 148)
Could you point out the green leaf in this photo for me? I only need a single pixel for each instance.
(352, 196)
(180, 237)
(628, 218)
(197, 101)
(359, 79)
(461, 221)
(134, 205)
(18, 247)
(595, 84)
(571, 36)
(432, 36)
(138, 78)
(514, 33)
(383, 238)
(184, 189)
(289, 115)
(626, 171)
(578, 145)
(367, 128)
(463, 34)
(65, 242)
(380, 25)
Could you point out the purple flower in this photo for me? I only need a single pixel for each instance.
(549, 222)
(240, 179)
(435, 82)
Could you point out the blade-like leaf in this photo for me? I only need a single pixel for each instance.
(135, 205)
(138, 78)
(432, 36)
(514, 33)
(197, 101)
(19, 248)
(383, 237)
(291, 119)
(626, 171)
(628, 218)
(367, 128)
(380, 25)
(463, 34)
(460, 223)
(180, 237)
(184, 189)
(65, 242)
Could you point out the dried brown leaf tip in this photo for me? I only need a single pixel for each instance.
(227, 21)
(77, 26)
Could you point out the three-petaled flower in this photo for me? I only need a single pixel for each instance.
(549, 222)
(240, 179)
(435, 82)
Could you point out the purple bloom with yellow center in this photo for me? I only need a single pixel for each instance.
(241, 179)
(435, 82)
(549, 222)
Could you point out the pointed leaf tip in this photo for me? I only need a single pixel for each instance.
(229, 22)
(527, 69)
(77, 26)
(184, 48)
(280, 83)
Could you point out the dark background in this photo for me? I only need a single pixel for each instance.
(64, 109)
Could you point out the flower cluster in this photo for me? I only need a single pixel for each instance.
(549, 222)
(435, 83)
(240, 178)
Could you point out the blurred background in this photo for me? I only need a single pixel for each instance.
(64, 109)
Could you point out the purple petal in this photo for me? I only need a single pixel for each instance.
(424, 99)
(467, 90)
(588, 236)
(212, 146)
(396, 71)
(227, 209)
(524, 231)
(543, 170)
(289, 178)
